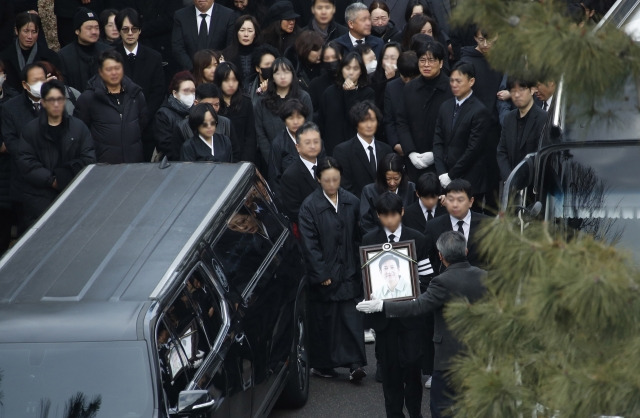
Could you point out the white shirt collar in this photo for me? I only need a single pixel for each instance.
(354, 39)
(460, 102)
(397, 233)
(549, 100)
(335, 206)
(207, 144)
(309, 166)
(291, 136)
(467, 223)
(425, 209)
(208, 13)
(134, 51)
(366, 145)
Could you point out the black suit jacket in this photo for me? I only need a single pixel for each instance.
(296, 184)
(459, 280)
(459, 149)
(393, 99)
(510, 150)
(356, 170)
(441, 224)
(147, 73)
(374, 42)
(184, 38)
(414, 217)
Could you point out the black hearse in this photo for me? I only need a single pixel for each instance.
(154, 292)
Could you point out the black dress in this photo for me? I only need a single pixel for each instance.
(196, 150)
(243, 124)
(330, 243)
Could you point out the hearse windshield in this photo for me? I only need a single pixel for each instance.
(65, 380)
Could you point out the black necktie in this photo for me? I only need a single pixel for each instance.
(315, 171)
(456, 110)
(203, 33)
(545, 105)
(36, 106)
(392, 238)
(359, 41)
(429, 215)
(372, 159)
(460, 228)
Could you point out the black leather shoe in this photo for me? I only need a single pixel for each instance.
(357, 374)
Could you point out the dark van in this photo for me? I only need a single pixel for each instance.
(147, 292)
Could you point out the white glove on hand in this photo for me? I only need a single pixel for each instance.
(370, 306)
(415, 159)
(426, 158)
(444, 179)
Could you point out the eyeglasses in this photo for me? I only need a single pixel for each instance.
(54, 100)
(425, 61)
(380, 19)
(132, 29)
(209, 124)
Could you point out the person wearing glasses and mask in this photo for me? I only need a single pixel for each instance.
(51, 151)
(206, 144)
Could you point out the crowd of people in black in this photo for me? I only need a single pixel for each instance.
(377, 120)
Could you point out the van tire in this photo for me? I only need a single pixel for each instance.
(296, 391)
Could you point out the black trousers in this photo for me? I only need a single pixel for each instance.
(441, 394)
(401, 377)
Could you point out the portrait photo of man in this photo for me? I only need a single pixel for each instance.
(392, 279)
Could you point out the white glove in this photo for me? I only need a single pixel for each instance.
(370, 306)
(444, 179)
(426, 158)
(415, 159)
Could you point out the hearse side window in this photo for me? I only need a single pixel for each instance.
(246, 241)
(186, 333)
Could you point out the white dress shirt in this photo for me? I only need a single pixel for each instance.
(425, 210)
(461, 102)
(207, 19)
(395, 233)
(310, 166)
(353, 39)
(291, 136)
(466, 227)
(134, 51)
(366, 146)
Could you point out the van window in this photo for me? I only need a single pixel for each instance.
(246, 241)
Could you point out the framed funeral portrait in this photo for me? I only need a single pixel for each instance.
(390, 271)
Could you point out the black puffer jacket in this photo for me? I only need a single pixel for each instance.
(117, 134)
(167, 127)
(41, 160)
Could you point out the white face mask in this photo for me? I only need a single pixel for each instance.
(371, 67)
(35, 89)
(187, 99)
(2, 78)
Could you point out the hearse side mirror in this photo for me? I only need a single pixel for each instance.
(192, 403)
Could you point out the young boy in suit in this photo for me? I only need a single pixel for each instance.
(399, 347)
(428, 206)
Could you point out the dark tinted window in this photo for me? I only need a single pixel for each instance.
(247, 239)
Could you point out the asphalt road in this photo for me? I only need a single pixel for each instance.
(337, 398)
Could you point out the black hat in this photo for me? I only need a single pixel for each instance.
(281, 10)
(83, 15)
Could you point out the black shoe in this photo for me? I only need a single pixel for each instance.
(325, 373)
(378, 373)
(357, 374)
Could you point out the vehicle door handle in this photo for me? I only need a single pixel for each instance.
(240, 338)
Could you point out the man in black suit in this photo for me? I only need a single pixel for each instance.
(360, 155)
(393, 97)
(459, 280)
(458, 202)
(399, 347)
(299, 180)
(204, 25)
(358, 20)
(460, 135)
(416, 118)
(143, 65)
(428, 206)
(522, 127)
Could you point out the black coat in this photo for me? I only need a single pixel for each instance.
(41, 160)
(458, 280)
(415, 218)
(12, 67)
(243, 127)
(356, 170)
(334, 30)
(184, 37)
(333, 117)
(393, 102)
(195, 149)
(369, 217)
(510, 151)
(167, 128)
(157, 23)
(5, 158)
(317, 89)
(459, 150)
(442, 224)
(79, 67)
(330, 244)
(296, 184)
(117, 136)
(416, 118)
(146, 72)
(304, 72)
(488, 80)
